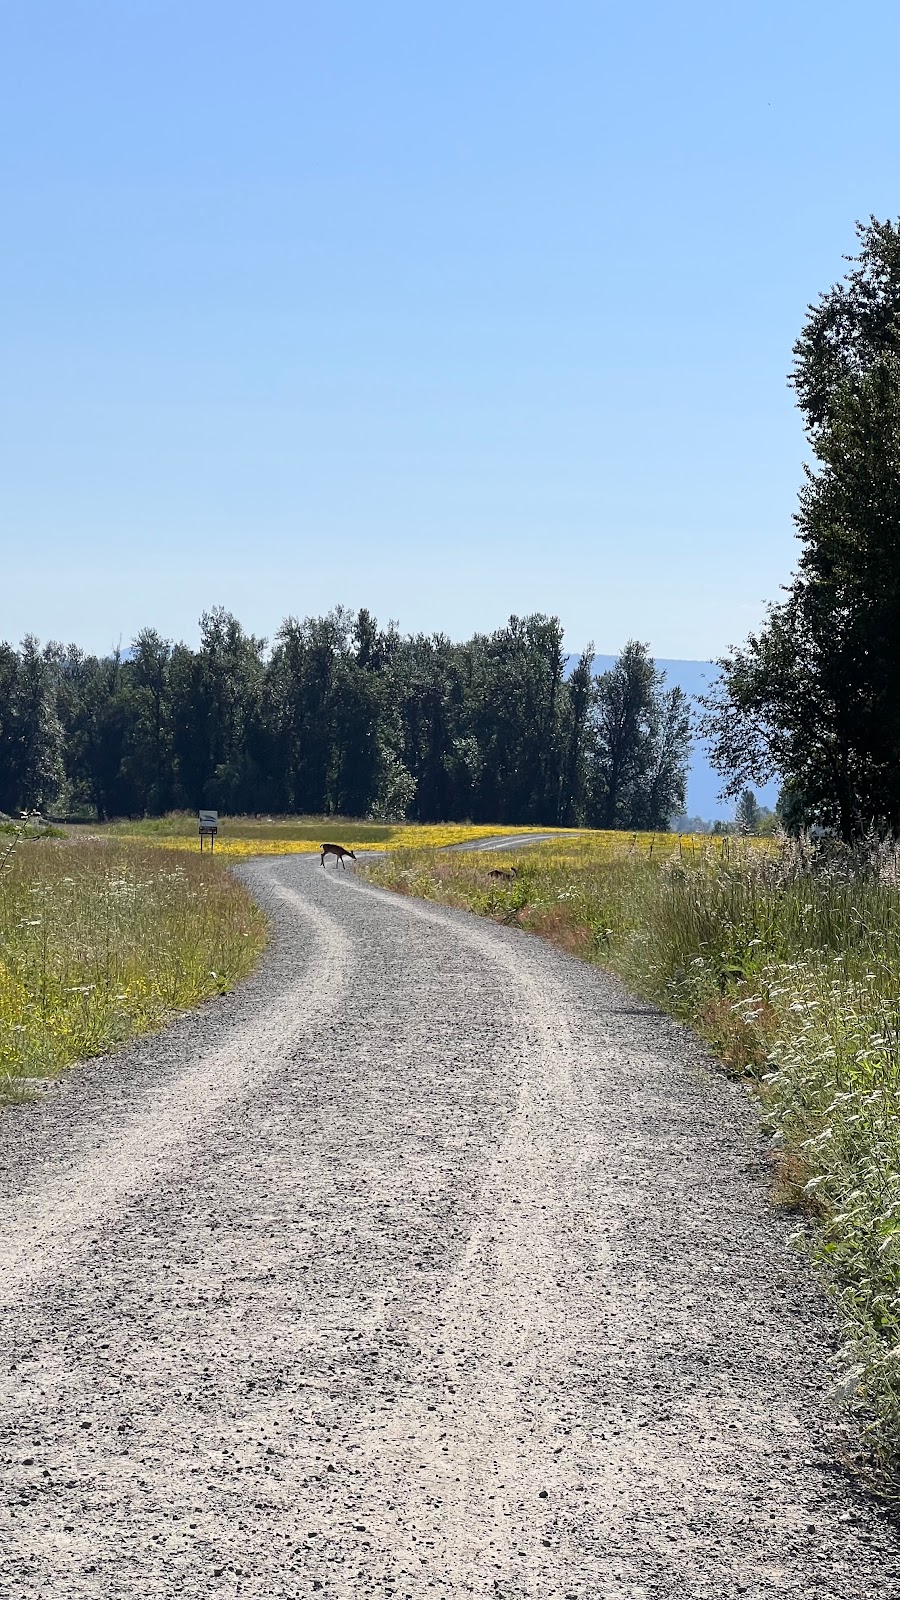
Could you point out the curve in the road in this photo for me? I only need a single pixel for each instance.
(519, 841)
(427, 1263)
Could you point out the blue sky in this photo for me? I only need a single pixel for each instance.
(449, 311)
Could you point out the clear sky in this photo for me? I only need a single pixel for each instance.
(448, 310)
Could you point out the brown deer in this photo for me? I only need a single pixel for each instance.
(336, 850)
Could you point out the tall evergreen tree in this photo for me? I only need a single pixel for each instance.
(747, 815)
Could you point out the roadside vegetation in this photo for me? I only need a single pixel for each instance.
(101, 939)
(786, 958)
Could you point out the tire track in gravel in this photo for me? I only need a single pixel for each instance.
(38, 1228)
(497, 1330)
(427, 1263)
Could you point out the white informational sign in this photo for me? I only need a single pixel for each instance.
(208, 819)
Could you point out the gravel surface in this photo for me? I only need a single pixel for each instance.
(519, 841)
(427, 1263)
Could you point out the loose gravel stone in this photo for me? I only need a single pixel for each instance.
(429, 1262)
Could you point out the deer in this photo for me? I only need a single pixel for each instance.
(336, 850)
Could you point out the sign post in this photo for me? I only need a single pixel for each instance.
(208, 828)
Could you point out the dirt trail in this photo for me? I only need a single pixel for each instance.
(428, 1263)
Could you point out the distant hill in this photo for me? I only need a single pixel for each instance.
(704, 784)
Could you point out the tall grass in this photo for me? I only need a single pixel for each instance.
(100, 940)
(787, 959)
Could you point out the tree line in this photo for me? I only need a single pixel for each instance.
(341, 716)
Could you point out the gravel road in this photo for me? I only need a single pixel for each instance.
(429, 1263)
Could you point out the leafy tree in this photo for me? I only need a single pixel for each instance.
(354, 773)
(422, 722)
(575, 740)
(667, 752)
(815, 695)
(215, 715)
(149, 756)
(623, 708)
(513, 699)
(641, 735)
(96, 712)
(301, 702)
(34, 733)
(10, 788)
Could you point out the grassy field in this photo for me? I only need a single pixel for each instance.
(103, 939)
(248, 836)
(787, 960)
